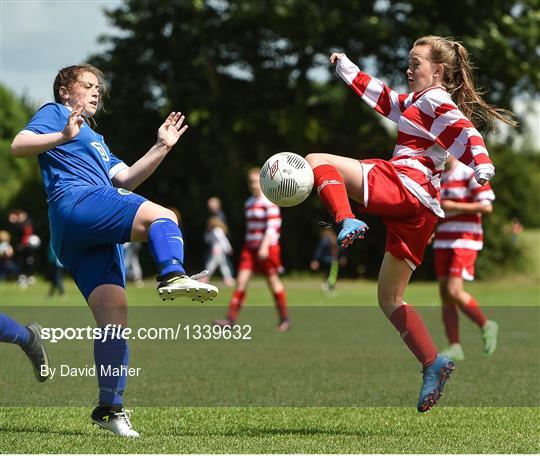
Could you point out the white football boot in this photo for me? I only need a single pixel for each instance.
(174, 286)
(116, 422)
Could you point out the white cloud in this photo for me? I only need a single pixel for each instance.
(40, 37)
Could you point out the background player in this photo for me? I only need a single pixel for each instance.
(404, 191)
(458, 239)
(92, 211)
(261, 253)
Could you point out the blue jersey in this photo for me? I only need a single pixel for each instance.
(84, 161)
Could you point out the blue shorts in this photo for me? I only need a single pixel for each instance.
(88, 236)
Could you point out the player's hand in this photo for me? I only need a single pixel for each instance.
(172, 129)
(262, 254)
(336, 56)
(482, 181)
(314, 265)
(75, 120)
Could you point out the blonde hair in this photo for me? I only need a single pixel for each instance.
(214, 222)
(458, 80)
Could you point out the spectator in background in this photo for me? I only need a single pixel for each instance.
(215, 209)
(516, 228)
(8, 267)
(25, 243)
(328, 256)
(133, 265)
(219, 248)
(56, 273)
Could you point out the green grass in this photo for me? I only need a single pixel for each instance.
(243, 398)
(279, 430)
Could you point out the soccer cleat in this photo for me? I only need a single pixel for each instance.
(182, 286)
(489, 335)
(454, 352)
(435, 377)
(285, 325)
(36, 352)
(351, 230)
(116, 422)
(225, 323)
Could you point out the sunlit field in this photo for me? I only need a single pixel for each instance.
(340, 381)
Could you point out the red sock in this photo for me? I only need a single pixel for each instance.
(332, 192)
(451, 323)
(414, 333)
(236, 303)
(280, 299)
(472, 311)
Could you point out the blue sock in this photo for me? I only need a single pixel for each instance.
(13, 332)
(110, 353)
(167, 246)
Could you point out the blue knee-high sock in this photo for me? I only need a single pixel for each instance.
(111, 354)
(13, 332)
(167, 246)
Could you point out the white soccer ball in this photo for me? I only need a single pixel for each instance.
(286, 179)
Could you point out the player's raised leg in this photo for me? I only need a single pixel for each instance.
(393, 279)
(337, 179)
(159, 226)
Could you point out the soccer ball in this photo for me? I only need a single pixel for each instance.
(286, 179)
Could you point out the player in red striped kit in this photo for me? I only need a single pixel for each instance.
(261, 253)
(458, 239)
(432, 120)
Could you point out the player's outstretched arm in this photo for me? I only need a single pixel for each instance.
(375, 93)
(26, 144)
(168, 135)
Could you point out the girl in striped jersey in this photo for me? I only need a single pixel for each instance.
(261, 253)
(458, 239)
(432, 120)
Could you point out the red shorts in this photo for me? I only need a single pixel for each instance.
(455, 263)
(249, 259)
(409, 223)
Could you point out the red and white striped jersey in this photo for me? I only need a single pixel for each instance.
(262, 216)
(429, 126)
(462, 231)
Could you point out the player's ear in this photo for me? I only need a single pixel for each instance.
(63, 92)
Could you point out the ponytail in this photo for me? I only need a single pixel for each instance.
(459, 81)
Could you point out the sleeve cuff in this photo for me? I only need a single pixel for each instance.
(116, 169)
(347, 70)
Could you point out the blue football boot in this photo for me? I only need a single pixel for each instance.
(435, 377)
(350, 230)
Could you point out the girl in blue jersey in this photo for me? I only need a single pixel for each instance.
(92, 211)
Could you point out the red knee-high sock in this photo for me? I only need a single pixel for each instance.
(451, 322)
(280, 298)
(332, 192)
(473, 311)
(236, 303)
(414, 333)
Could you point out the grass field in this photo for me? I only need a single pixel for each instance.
(316, 389)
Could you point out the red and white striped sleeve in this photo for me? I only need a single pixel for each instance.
(273, 219)
(481, 193)
(455, 133)
(374, 92)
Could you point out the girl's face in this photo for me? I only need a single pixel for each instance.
(84, 91)
(422, 73)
